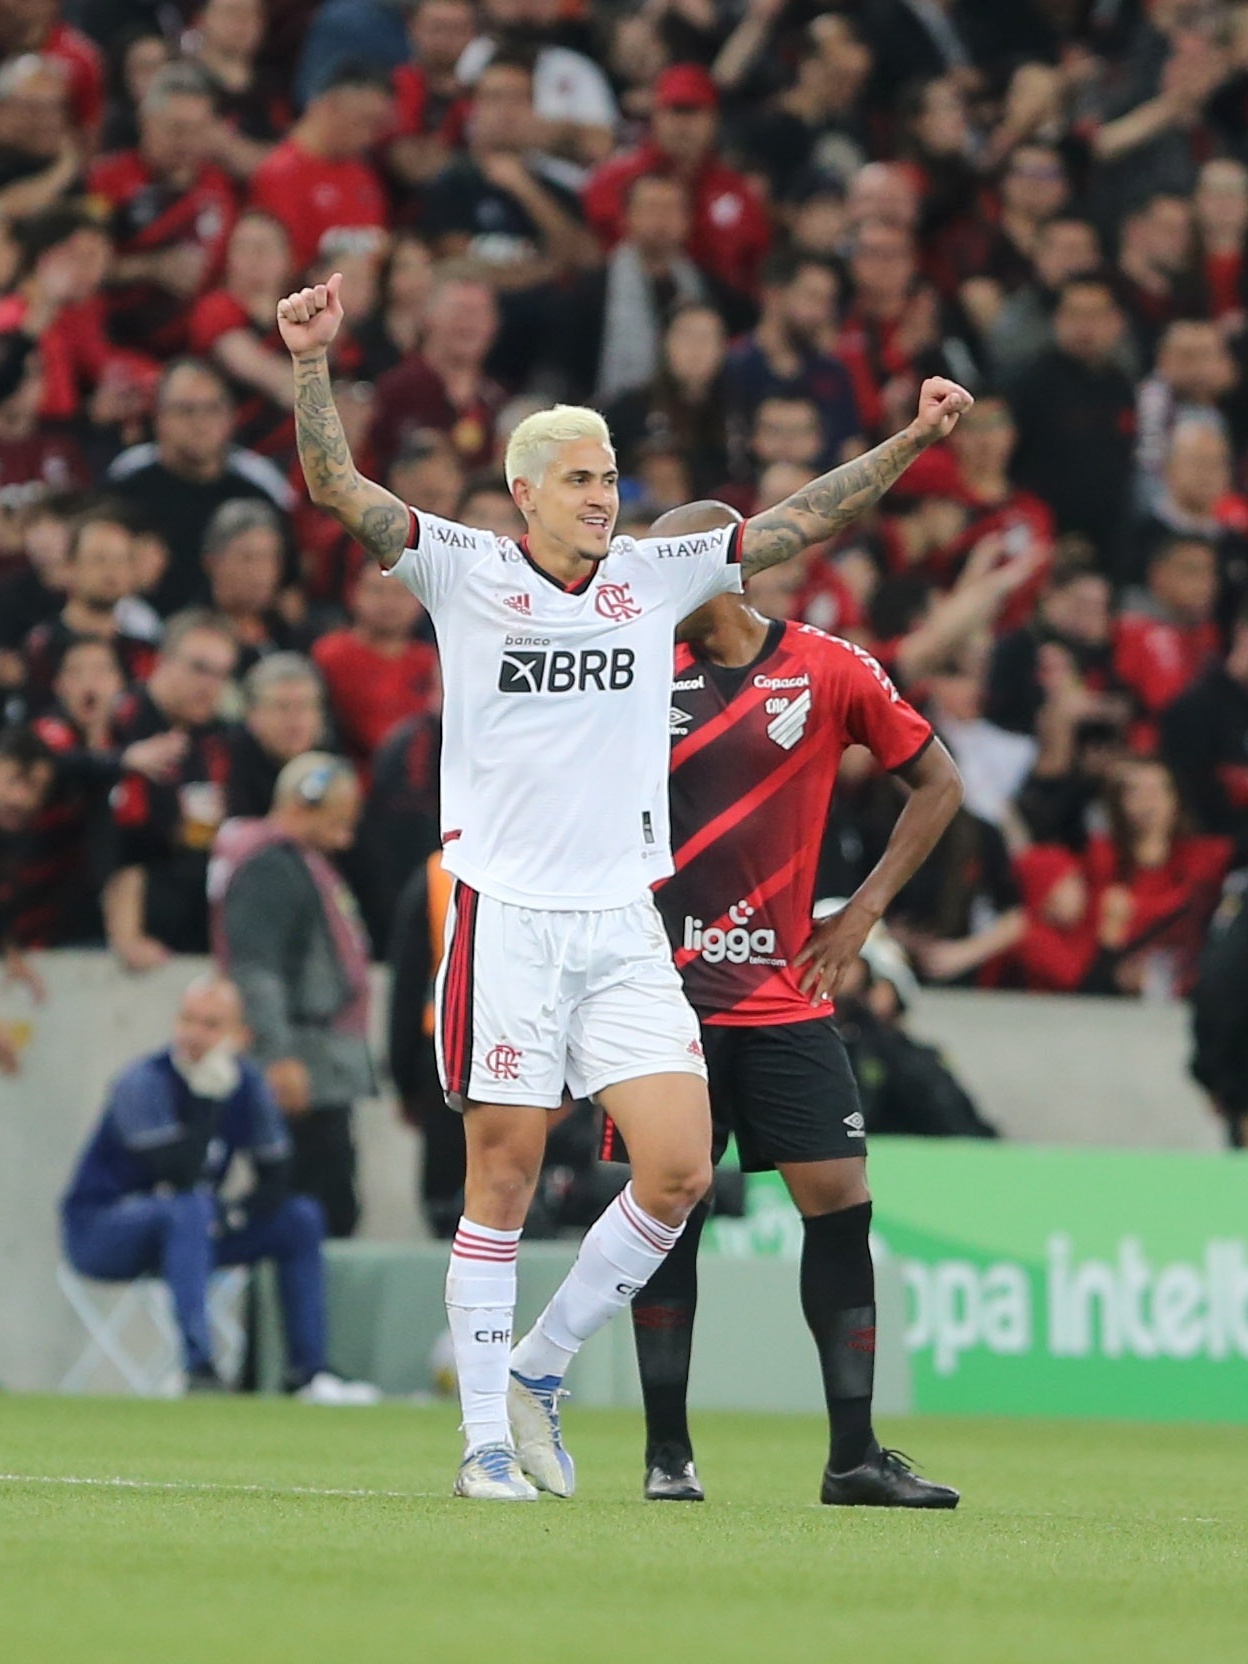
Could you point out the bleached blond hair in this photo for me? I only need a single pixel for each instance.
(536, 441)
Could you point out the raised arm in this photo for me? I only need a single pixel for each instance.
(308, 321)
(835, 500)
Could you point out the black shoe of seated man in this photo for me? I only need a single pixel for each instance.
(885, 1480)
(672, 1477)
(205, 1380)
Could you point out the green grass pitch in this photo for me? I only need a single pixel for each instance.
(266, 1532)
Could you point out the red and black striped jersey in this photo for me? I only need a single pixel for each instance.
(755, 753)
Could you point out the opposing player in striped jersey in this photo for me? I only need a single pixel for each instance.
(761, 714)
(556, 660)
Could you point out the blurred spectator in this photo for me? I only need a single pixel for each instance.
(137, 56)
(284, 717)
(1220, 1012)
(146, 1198)
(56, 305)
(319, 179)
(40, 155)
(287, 930)
(487, 505)
(1073, 615)
(1023, 327)
(400, 824)
(192, 468)
(497, 201)
(427, 474)
(99, 573)
(789, 354)
(730, 234)
(36, 26)
(611, 326)
(1154, 263)
(1194, 374)
(1204, 736)
(155, 901)
(683, 409)
(397, 326)
(375, 672)
(61, 882)
(26, 773)
(445, 386)
(171, 212)
(1221, 209)
(34, 593)
(1154, 884)
(243, 559)
(235, 327)
(430, 107)
(572, 102)
(1165, 635)
(349, 32)
(35, 459)
(995, 505)
(225, 45)
(1075, 411)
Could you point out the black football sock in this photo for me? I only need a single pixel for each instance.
(663, 1332)
(838, 1302)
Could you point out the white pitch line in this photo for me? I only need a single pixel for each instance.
(120, 1484)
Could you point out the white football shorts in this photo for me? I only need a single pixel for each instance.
(529, 999)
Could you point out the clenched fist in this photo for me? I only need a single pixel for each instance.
(941, 402)
(309, 319)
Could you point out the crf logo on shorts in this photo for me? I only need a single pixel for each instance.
(503, 1062)
(615, 601)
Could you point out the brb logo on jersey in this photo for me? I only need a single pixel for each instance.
(615, 601)
(739, 946)
(528, 670)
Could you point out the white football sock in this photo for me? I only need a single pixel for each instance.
(480, 1306)
(618, 1257)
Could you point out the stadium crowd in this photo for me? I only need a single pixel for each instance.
(744, 231)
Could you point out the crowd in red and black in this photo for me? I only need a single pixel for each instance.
(743, 232)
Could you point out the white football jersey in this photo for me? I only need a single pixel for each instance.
(555, 716)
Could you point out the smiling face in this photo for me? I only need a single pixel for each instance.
(575, 505)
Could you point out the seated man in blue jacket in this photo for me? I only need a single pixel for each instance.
(144, 1198)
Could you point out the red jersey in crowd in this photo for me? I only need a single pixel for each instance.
(1157, 659)
(755, 753)
(414, 396)
(418, 116)
(73, 351)
(731, 232)
(1171, 904)
(369, 692)
(260, 424)
(83, 63)
(311, 195)
(149, 216)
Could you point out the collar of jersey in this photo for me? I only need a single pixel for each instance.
(577, 588)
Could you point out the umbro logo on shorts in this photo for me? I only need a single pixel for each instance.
(563, 671)
(857, 1126)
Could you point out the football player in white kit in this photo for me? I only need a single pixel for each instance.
(556, 663)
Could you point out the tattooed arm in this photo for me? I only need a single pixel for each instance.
(308, 321)
(835, 500)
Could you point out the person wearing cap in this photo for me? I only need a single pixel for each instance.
(287, 930)
(730, 232)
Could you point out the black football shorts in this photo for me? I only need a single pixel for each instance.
(785, 1092)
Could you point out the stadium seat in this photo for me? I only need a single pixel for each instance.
(131, 1327)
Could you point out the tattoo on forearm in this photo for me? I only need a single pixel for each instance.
(370, 513)
(826, 505)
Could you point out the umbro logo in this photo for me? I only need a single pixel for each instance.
(857, 1126)
(678, 722)
(523, 604)
(790, 724)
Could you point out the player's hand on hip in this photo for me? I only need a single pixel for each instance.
(941, 402)
(829, 955)
(309, 319)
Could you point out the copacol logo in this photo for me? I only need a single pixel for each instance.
(530, 670)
